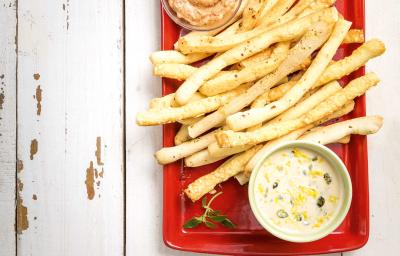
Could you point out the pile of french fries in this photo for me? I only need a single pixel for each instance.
(270, 79)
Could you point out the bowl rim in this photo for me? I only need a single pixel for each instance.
(339, 167)
(186, 25)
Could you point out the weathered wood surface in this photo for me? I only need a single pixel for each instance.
(8, 22)
(70, 127)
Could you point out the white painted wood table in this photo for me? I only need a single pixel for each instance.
(76, 173)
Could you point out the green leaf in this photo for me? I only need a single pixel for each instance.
(204, 202)
(228, 223)
(192, 223)
(214, 213)
(209, 224)
(219, 218)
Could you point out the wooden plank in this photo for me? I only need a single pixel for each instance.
(383, 148)
(8, 57)
(70, 127)
(143, 174)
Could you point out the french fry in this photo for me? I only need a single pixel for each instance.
(230, 168)
(174, 71)
(311, 41)
(231, 80)
(357, 59)
(243, 120)
(257, 104)
(316, 6)
(182, 135)
(294, 135)
(355, 88)
(286, 32)
(267, 10)
(354, 36)
(256, 59)
(277, 92)
(277, 12)
(277, 16)
(190, 121)
(217, 151)
(171, 56)
(201, 158)
(343, 140)
(251, 14)
(334, 132)
(192, 109)
(169, 101)
(304, 106)
(172, 154)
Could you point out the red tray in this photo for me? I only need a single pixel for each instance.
(249, 238)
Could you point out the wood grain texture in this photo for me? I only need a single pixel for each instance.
(8, 57)
(384, 147)
(143, 174)
(70, 127)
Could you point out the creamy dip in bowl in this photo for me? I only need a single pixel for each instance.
(203, 14)
(300, 191)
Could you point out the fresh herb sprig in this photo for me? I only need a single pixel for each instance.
(209, 216)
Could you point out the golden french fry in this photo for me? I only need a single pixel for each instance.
(171, 56)
(334, 132)
(285, 32)
(251, 14)
(294, 12)
(276, 13)
(231, 80)
(169, 101)
(267, 10)
(309, 103)
(172, 154)
(174, 71)
(277, 92)
(243, 120)
(192, 109)
(311, 41)
(230, 168)
(317, 5)
(256, 59)
(190, 121)
(344, 140)
(217, 151)
(354, 36)
(182, 135)
(201, 158)
(355, 88)
(357, 59)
